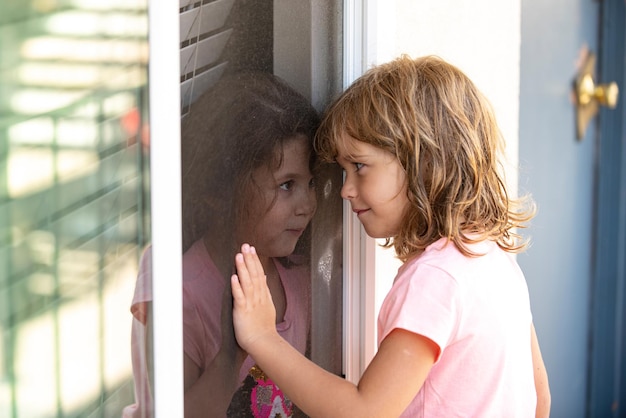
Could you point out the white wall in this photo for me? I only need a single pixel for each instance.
(482, 38)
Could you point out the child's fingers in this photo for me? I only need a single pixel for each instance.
(243, 276)
(253, 264)
(254, 312)
(250, 272)
(237, 291)
(257, 276)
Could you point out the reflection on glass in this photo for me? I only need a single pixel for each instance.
(72, 203)
(247, 175)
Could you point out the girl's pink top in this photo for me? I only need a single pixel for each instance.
(203, 293)
(477, 311)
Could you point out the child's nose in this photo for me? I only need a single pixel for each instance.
(347, 190)
(308, 204)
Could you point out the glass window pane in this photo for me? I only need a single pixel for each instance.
(73, 203)
(254, 78)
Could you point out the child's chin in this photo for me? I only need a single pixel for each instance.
(285, 250)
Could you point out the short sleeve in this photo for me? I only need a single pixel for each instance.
(423, 300)
(143, 287)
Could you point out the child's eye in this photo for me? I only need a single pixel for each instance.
(312, 183)
(286, 185)
(358, 166)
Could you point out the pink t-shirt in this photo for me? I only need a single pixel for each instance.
(203, 290)
(143, 406)
(477, 310)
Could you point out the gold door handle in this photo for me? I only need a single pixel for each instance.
(589, 95)
(605, 94)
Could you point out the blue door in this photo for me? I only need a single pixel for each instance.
(573, 279)
(607, 357)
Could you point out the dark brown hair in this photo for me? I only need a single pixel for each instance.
(233, 129)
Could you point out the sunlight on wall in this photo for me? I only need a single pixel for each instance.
(73, 192)
(71, 141)
(74, 326)
(463, 34)
(24, 179)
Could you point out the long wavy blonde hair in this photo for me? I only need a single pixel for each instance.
(443, 132)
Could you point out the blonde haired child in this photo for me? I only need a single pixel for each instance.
(419, 146)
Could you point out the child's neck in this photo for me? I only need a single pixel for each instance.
(271, 272)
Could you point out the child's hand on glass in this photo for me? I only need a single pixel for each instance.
(254, 315)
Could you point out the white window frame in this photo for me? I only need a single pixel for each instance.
(369, 269)
(165, 191)
(359, 308)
